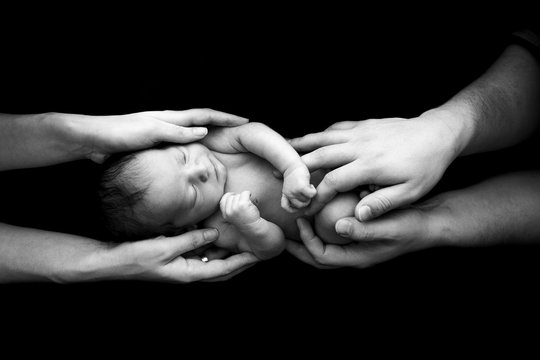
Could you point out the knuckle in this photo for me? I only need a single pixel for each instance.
(330, 180)
(362, 233)
(381, 203)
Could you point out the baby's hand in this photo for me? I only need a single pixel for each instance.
(297, 191)
(238, 209)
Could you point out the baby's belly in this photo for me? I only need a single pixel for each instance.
(257, 177)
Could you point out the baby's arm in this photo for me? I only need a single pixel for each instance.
(261, 140)
(263, 238)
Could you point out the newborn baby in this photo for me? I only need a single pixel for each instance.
(225, 182)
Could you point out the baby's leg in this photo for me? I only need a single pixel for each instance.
(325, 221)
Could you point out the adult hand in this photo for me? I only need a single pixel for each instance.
(405, 158)
(393, 234)
(173, 259)
(97, 137)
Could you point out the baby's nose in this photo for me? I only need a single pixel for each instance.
(200, 172)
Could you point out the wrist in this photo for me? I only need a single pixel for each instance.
(99, 264)
(252, 227)
(455, 127)
(70, 133)
(439, 221)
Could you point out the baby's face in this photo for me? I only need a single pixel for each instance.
(186, 185)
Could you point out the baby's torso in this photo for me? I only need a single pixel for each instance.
(250, 172)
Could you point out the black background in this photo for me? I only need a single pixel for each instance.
(298, 72)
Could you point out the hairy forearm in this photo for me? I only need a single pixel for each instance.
(500, 108)
(37, 255)
(36, 140)
(503, 209)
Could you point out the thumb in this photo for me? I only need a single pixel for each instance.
(175, 246)
(180, 134)
(382, 201)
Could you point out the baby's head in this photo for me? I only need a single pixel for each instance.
(160, 191)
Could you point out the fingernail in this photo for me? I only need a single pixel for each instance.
(210, 234)
(343, 227)
(200, 131)
(364, 213)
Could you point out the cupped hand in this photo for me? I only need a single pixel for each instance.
(405, 158)
(171, 259)
(396, 233)
(101, 136)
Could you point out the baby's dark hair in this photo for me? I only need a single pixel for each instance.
(121, 188)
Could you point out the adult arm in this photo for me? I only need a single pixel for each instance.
(37, 140)
(37, 255)
(503, 209)
(45, 139)
(407, 157)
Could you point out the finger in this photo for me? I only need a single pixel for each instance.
(297, 203)
(223, 267)
(286, 205)
(215, 252)
(175, 246)
(324, 254)
(341, 179)
(245, 196)
(198, 251)
(330, 255)
(312, 242)
(375, 230)
(316, 140)
(224, 201)
(342, 125)
(383, 200)
(179, 134)
(233, 203)
(301, 253)
(309, 192)
(328, 157)
(198, 117)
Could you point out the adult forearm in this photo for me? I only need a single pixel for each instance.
(37, 140)
(37, 255)
(500, 108)
(503, 209)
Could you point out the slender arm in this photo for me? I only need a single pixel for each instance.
(35, 140)
(37, 255)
